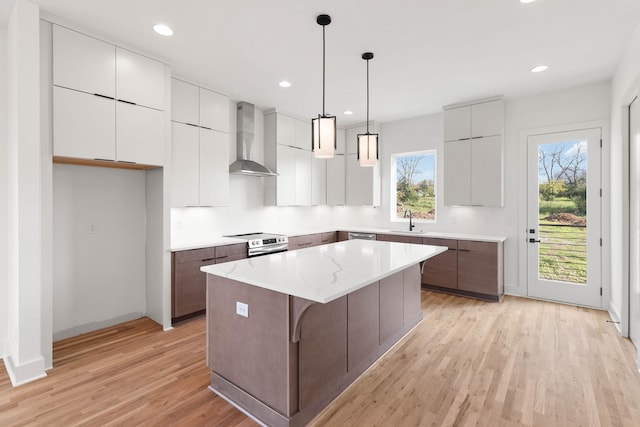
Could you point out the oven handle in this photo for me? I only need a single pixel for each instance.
(268, 249)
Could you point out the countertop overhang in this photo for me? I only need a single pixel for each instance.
(325, 273)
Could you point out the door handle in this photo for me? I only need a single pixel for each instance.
(534, 241)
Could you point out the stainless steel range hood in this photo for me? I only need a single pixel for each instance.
(244, 143)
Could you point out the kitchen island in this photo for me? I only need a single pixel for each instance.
(288, 332)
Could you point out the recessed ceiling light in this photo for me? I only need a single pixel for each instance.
(284, 83)
(348, 113)
(527, 1)
(539, 68)
(163, 30)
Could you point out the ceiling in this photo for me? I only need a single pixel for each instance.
(428, 53)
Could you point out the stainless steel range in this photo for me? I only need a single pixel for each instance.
(263, 243)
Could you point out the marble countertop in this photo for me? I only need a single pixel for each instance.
(219, 241)
(327, 272)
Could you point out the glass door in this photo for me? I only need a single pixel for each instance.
(563, 211)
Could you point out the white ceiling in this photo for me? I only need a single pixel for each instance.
(428, 53)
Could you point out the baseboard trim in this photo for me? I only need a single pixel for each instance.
(615, 316)
(25, 373)
(94, 326)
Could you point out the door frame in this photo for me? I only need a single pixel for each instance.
(605, 270)
(624, 316)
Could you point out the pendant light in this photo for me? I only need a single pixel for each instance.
(368, 142)
(323, 127)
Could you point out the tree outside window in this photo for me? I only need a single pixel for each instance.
(413, 185)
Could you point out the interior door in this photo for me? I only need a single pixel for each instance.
(564, 213)
(634, 222)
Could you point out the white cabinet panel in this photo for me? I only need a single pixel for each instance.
(83, 63)
(139, 79)
(214, 168)
(185, 155)
(184, 102)
(214, 110)
(285, 130)
(341, 141)
(487, 119)
(318, 181)
(303, 177)
(286, 180)
(139, 134)
(486, 171)
(362, 184)
(457, 123)
(457, 173)
(84, 125)
(336, 180)
(303, 134)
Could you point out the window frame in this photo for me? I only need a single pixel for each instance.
(393, 192)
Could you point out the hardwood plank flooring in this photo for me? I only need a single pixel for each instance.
(517, 363)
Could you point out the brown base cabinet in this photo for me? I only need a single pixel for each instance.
(189, 284)
(442, 270)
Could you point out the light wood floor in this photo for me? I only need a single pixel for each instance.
(520, 362)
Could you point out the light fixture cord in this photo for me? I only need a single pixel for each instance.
(323, 68)
(367, 96)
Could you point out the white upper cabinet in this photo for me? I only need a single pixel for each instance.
(336, 179)
(84, 126)
(285, 130)
(83, 63)
(457, 173)
(214, 110)
(108, 103)
(286, 179)
(318, 181)
(303, 134)
(185, 102)
(139, 80)
(200, 153)
(214, 168)
(139, 134)
(303, 177)
(487, 119)
(457, 123)
(185, 154)
(340, 141)
(473, 164)
(486, 171)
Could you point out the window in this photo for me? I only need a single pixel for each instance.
(413, 185)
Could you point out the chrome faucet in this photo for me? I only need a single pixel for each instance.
(411, 224)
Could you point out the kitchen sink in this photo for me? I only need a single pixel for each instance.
(406, 231)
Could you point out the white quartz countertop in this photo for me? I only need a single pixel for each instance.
(325, 273)
(219, 241)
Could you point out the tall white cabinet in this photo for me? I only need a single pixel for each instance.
(302, 179)
(108, 102)
(362, 183)
(200, 146)
(473, 153)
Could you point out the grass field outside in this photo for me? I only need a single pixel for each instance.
(563, 246)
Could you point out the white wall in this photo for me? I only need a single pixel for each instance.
(3, 189)
(98, 279)
(622, 84)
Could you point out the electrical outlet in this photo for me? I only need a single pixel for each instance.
(92, 228)
(242, 309)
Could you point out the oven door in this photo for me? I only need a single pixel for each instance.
(269, 249)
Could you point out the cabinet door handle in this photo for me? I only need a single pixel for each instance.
(208, 259)
(103, 96)
(104, 160)
(464, 250)
(191, 124)
(204, 127)
(452, 249)
(127, 102)
(125, 161)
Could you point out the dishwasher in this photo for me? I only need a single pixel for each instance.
(362, 236)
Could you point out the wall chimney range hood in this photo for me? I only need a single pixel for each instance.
(244, 143)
